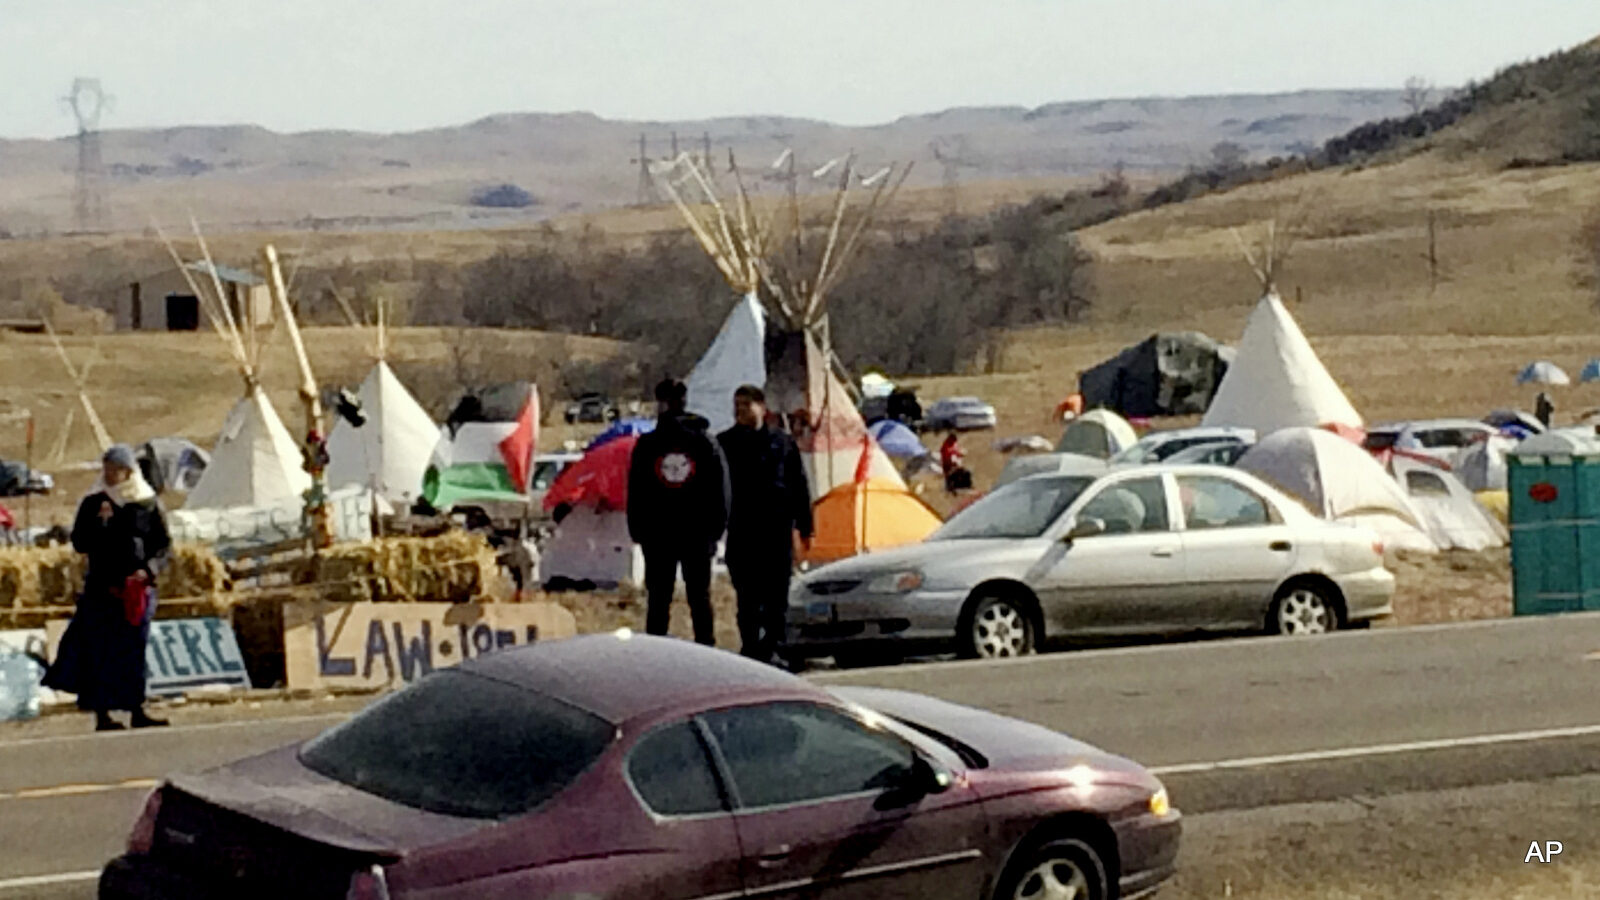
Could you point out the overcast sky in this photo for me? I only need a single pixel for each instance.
(391, 65)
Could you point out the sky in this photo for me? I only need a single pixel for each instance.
(400, 65)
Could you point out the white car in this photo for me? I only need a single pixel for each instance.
(959, 413)
(1158, 445)
(1151, 549)
(1437, 439)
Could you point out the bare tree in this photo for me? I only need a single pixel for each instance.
(1416, 94)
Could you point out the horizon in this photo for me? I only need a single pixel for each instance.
(320, 65)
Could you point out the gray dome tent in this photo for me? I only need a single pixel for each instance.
(1168, 374)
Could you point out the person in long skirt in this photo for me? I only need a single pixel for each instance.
(119, 527)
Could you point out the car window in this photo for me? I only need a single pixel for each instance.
(780, 753)
(462, 745)
(1426, 483)
(1380, 440)
(1022, 509)
(1129, 507)
(1220, 503)
(1180, 444)
(672, 773)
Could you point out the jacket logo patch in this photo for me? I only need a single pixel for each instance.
(675, 469)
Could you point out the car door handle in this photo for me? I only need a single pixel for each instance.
(774, 857)
(1163, 551)
(1280, 546)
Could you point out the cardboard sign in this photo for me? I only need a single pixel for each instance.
(350, 511)
(183, 655)
(382, 644)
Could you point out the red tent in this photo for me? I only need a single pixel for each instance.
(7, 521)
(599, 479)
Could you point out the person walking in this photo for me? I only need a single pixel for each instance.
(1543, 409)
(119, 527)
(677, 509)
(771, 506)
(952, 463)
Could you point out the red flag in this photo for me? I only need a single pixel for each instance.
(518, 447)
(866, 459)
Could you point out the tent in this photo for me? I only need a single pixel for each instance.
(599, 479)
(1450, 515)
(1168, 374)
(621, 428)
(172, 463)
(1481, 465)
(591, 546)
(897, 440)
(1543, 372)
(254, 463)
(1338, 481)
(1099, 433)
(1591, 371)
(869, 515)
(737, 356)
(485, 451)
(1020, 467)
(1276, 380)
(392, 450)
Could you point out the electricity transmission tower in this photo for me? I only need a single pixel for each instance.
(647, 194)
(87, 102)
(952, 155)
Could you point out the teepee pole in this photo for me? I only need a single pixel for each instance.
(853, 243)
(101, 436)
(315, 445)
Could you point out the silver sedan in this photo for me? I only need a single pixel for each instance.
(1155, 549)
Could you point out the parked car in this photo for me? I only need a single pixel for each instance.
(959, 413)
(1437, 439)
(1137, 550)
(1157, 446)
(591, 408)
(618, 766)
(900, 405)
(16, 480)
(1213, 453)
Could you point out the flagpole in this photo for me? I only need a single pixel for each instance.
(27, 495)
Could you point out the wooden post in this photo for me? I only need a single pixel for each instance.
(27, 495)
(314, 448)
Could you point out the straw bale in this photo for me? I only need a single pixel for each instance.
(455, 567)
(46, 578)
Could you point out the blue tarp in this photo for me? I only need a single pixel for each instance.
(623, 428)
(896, 439)
(1591, 372)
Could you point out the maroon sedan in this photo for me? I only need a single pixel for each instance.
(617, 766)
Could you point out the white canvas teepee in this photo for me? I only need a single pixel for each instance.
(255, 461)
(736, 357)
(392, 450)
(1276, 380)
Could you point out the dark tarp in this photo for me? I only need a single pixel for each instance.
(172, 463)
(1173, 374)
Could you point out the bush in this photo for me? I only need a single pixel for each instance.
(503, 196)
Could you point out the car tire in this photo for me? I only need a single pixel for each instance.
(997, 627)
(1302, 608)
(1065, 867)
(865, 658)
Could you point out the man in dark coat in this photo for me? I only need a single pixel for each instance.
(771, 504)
(677, 509)
(101, 658)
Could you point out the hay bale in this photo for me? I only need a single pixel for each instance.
(455, 567)
(51, 577)
(194, 570)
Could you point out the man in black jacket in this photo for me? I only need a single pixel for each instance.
(677, 509)
(771, 503)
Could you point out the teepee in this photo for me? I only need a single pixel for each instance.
(777, 336)
(1276, 380)
(392, 450)
(255, 461)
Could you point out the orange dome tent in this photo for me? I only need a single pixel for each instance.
(868, 515)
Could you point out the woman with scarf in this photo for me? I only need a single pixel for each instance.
(101, 658)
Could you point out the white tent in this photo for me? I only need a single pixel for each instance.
(592, 545)
(392, 450)
(737, 357)
(1481, 465)
(1277, 381)
(1450, 515)
(1338, 481)
(1099, 433)
(255, 461)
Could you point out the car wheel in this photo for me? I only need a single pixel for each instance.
(998, 627)
(1066, 869)
(1303, 608)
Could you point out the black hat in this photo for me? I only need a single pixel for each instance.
(671, 390)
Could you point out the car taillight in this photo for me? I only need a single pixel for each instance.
(368, 885)
(143, 836)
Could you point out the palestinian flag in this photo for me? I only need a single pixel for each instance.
(486, 452)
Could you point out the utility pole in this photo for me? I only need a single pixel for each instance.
(647, 195)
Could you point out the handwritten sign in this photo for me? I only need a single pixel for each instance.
(350, 512)
(183, 655)
(381, 644)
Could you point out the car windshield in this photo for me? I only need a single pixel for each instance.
(462, 745)
(1147, 450)
(1022, 509)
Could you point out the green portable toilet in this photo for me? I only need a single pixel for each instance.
(1554, 485)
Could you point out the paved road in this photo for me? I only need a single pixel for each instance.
(1228, 724)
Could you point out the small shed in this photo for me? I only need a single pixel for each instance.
(167, 302)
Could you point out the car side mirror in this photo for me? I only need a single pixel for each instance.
(1085, 528)
(923, 779)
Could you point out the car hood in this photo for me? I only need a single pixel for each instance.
(275, 788)
(921, 556)
(1008, 744)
